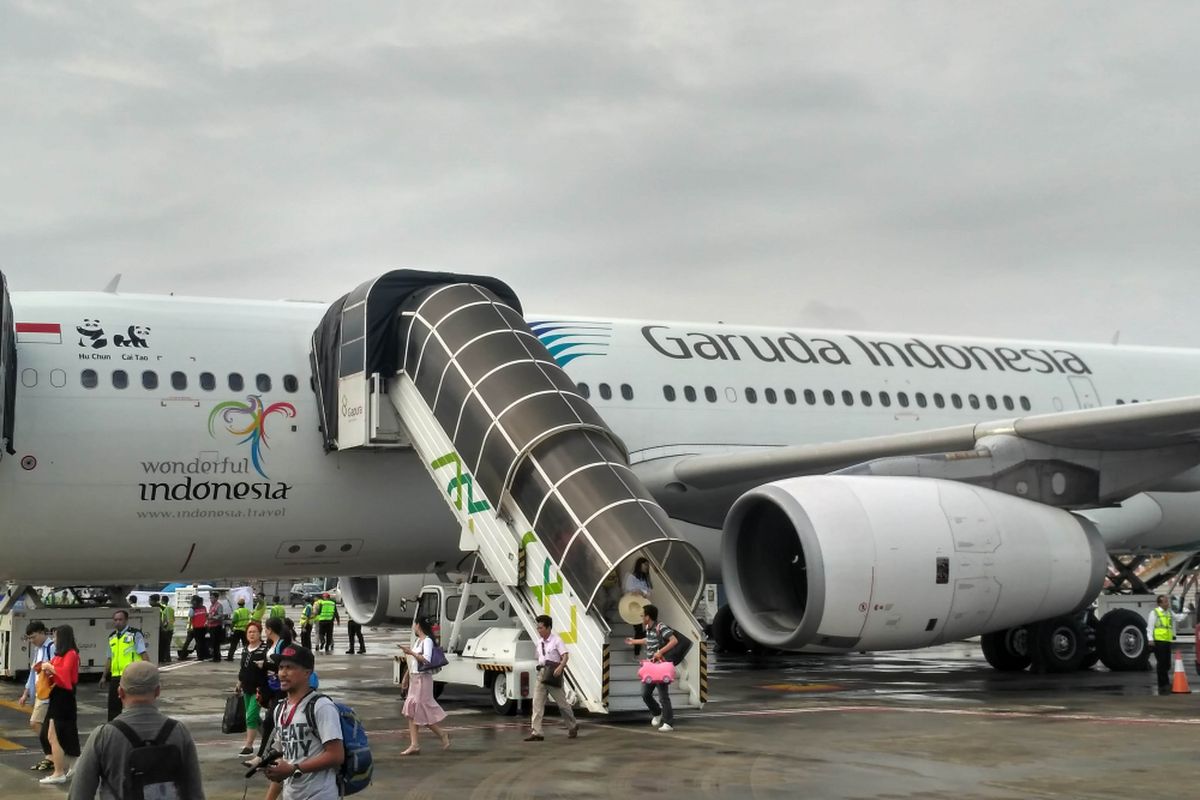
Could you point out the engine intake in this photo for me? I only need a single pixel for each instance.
(837, 563)
(380, 599)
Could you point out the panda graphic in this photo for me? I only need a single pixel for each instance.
(91, 334)
(138, 336)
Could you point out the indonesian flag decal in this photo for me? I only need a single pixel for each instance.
(39, 333)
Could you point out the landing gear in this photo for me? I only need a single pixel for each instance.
(1121, 641)
(1060, 644)
(502, 704)
(728, 634)
(1007, 650)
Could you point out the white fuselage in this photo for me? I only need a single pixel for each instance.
(163, 482)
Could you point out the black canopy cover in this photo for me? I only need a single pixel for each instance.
(383, 299)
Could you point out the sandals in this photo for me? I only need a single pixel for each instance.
(412, 751)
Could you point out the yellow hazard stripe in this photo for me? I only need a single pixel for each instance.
(494, 667)
(604, 676)
(703, 672)
(5, 744)
(15, 706)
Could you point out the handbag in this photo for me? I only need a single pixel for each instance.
(546, 675)
(43, 686)
(656, 672)
(234, 718)
(678, 653)
(437, 660)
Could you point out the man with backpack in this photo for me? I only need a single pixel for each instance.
(308, 731)
(141, 753)
(659, 642)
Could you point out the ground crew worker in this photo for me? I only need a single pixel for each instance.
(277, 609)
(241, 618)
(260, 609)
(326, 617)
(125, 646)
(1160, 630)
(164, 632)
(307, 617)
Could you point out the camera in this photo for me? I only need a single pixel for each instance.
(269, 759)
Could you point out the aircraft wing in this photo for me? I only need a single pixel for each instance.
(1109, 453)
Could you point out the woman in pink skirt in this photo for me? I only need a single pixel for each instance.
(419, 705)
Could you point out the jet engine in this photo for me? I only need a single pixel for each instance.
(838, 563)
(381, 599)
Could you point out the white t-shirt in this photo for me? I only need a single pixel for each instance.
(424, 646)
(298, 743)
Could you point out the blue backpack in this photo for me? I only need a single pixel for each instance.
(357, 767)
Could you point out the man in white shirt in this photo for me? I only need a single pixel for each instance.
(41, 649)
(310, 738)
(552, 659)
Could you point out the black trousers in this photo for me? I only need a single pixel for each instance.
(114, 702)
(355, 631)
(306, 636)
(200, 637)
(216, 638)
(1162, 660)
(164, 645)
(235, 638)
(663, 707)
(325, 629)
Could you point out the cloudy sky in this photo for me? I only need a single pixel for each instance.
(1002, 168)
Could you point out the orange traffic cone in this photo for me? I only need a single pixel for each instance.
(1179, 684)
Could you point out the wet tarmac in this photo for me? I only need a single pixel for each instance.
(935, 723)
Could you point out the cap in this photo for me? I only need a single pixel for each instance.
(298, 655)
(325, 595)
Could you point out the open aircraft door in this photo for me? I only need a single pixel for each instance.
(1085, 391)
(8, 367)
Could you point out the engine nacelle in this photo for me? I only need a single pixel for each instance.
(381, 599)
(838, 563)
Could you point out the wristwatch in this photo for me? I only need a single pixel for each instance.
(297, 772)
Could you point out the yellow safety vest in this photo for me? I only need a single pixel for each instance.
(328, 609)
(306, 614)
(122, 649)
(258, 612)
(167, 615)
(1164, 626)
(278, 612)
(241, 618)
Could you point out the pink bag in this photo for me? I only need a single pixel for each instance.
(656, 672)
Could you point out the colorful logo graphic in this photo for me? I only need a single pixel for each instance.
(249, 420)
(568, 340)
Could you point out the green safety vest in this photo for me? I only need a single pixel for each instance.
(241, 618)
(167, 615)
(327, 610)
(278, 612)
(122, 649)
(258, 612)
(1164, 626)
(306, 615)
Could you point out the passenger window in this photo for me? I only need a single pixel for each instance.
(626, 391)
(920, 398)
(1025, 404)
(710, 394)
(178, 381)
(1008, 403)
(810, 397)
(956, 401)
(120, 379)
(668, 393)
(236, 384)
(885, 399)
(828, 395)
(150, 380)
(1120, 402)
(290, 384)
(770, 395)
(991, 402)
(58, 378)
(208, 381)
(585, 391)
(902, 399)
(973, 400)
(938, 400)
(605, 391)
(29, 378)
(751, 395)
(689, 394)
(263, 382)
(790, 396)
(88, 378)
(847, 397)
(867, 399)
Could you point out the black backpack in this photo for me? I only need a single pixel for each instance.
(683, 646)
(154, 765)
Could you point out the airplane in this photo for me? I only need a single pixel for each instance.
(852, 490)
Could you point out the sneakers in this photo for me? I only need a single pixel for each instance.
(656, 720)
(53, 780)
(665, 728)
(246, 751)
(573, 733)
(534, 737)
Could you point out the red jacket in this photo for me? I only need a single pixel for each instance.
(66, 669)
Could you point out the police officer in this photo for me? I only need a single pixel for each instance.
(125, 646)
(307, 617)
(241, 618)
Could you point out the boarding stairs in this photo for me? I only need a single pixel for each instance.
(539, 484)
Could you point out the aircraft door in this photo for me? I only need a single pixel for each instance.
(1085, 391)
(8, 367)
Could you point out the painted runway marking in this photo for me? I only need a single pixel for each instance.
(15, 706)
(957, 712)
(181, 665)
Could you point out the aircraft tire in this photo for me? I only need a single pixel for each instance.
(1060, 644)
(1007, 650)
(1121, 641)
(728, 634)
